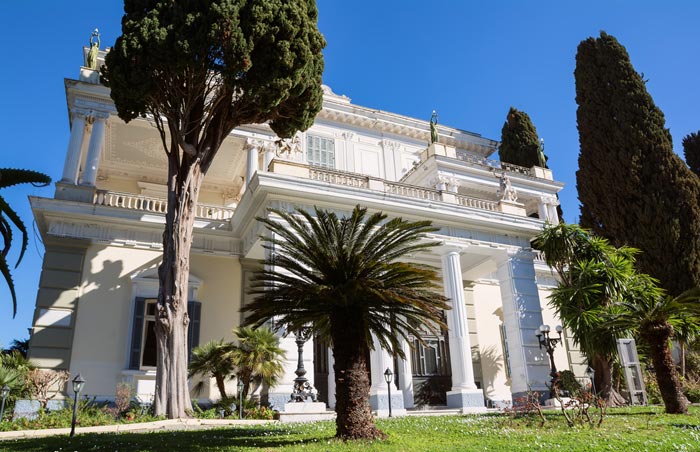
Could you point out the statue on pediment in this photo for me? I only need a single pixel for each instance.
(94, 49)
(433, 128)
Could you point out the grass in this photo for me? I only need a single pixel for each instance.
(631, 429)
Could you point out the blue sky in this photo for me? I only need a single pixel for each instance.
(469, 60)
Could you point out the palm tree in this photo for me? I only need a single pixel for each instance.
(594, 275)
(215, 360)
(653, 316)
(8, 217)
(257, 358)
(343, 276)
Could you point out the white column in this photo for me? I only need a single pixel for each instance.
(543, 209)
(252, 164)
(522, 315)
(268, 155)
(553, 214)
(464, 393)
(75, 144)
(380, 360)
(331, 379)
(460, 347)
(406, 376)
(97, 139)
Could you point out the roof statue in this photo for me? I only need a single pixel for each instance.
(541, 158)
(94, 49)
(433, 128)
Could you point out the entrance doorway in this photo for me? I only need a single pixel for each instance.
(430, 365)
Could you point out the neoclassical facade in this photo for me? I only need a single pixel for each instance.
(103, 236)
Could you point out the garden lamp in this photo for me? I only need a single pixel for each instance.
(5, 391)
(388, 376)
(240, 399)
(550, 344)
(78, 383)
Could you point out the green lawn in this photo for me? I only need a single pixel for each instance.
(638, 429)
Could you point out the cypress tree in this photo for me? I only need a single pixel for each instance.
(634, 190)
(691, 151)
(520, 144)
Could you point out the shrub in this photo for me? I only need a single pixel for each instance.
(261, 412)
(568, 383)
(691, 389)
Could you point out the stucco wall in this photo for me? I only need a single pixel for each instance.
(100, 346)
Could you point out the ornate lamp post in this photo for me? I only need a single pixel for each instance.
(78, 384)
(5, 391)
(388, 376)
(240, 399)
(302, 388)
(549, 344)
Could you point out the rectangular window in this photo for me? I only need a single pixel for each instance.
(143, 352)
(320, 151)
(148, 354)
(504, 344)
(431, 357)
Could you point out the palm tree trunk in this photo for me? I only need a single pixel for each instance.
(354, 417)
(220, 385)
(657, 337)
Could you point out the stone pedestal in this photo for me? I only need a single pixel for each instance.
(466, 398)
(305, 412)
(511, 207)
(380, 403)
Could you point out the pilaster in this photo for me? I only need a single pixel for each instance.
(522, 315)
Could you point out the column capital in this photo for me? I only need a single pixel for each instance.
(81, 113)
(257, 143)
(447, 249)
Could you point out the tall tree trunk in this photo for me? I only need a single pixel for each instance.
(657, 337)
(221, 385)
(353, 414)
(604, 381)
(172, 392)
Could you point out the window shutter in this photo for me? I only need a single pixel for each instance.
(137, 333)
(194, 311)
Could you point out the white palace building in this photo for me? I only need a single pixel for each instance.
(103, 237)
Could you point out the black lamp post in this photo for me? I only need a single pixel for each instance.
(549, 344)
(388, 376)
(240, 399)
(78, 384)
(5, 391)
(302, 388)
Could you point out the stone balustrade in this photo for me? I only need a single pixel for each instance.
(156, 205)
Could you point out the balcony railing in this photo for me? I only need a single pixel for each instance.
(156, 205)
(495, 164)
(477, 203)
(338, 177)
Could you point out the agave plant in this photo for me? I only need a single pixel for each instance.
(8, 217)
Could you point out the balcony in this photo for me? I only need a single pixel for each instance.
(156, 205)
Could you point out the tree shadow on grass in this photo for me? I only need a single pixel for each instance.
(170, 441)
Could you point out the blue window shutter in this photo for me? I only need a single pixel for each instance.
(194, 311)
(137, 333)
